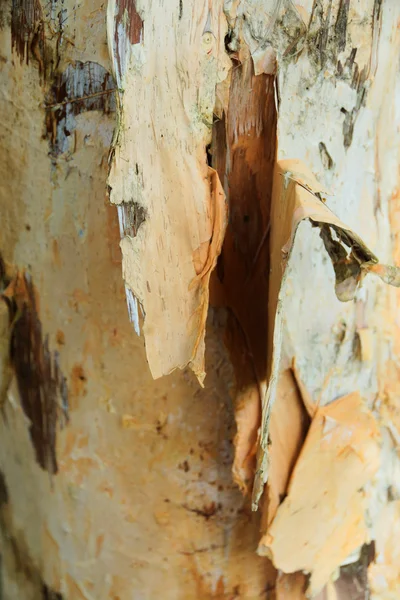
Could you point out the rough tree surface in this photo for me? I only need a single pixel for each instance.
(221, 178)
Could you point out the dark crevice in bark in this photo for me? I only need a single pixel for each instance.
(243, 153)
(49, 594)
(3, 490)
(318, 31)
(326, 158)
(341, 24)
(209, 155)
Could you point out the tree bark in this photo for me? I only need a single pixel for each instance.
(245, 443)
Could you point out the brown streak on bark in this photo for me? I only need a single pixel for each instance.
(83, 86)
(27, 29)
(134, 24)
(129, 18)
(41, 384)
(341, 24)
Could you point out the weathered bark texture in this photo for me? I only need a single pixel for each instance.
(251, 148)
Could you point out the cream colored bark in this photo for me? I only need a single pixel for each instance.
(115, 474)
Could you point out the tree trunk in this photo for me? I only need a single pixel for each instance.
(245, 443)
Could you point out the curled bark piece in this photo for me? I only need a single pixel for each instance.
(321, 521)
(297, 196)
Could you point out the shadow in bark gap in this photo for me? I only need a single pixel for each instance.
(49, 594)
(352, 582)
(243, 153)
(3, 491)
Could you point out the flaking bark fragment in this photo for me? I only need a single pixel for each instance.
(298, 196)
(159, 164)
(324, 504)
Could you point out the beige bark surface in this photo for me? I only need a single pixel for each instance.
(251, 149)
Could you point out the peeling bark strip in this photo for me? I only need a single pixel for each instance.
(169, 73)
(298, 196)
(41, 384)
(325, 498)
(81, 87)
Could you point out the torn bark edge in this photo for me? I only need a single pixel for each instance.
(219, 217)
(350, 267)
(124, 16)
(344, 423)
(219, 209)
